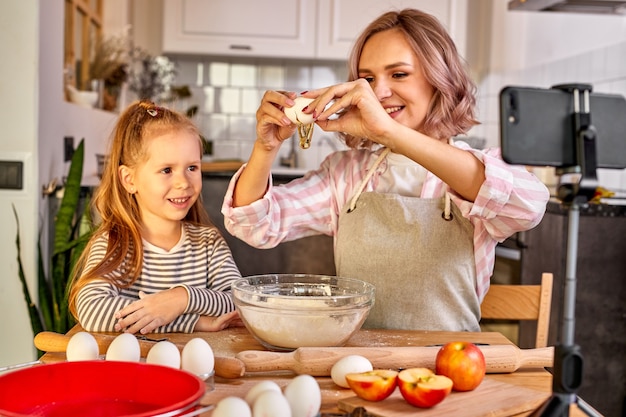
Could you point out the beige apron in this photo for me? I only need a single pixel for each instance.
(421, 264)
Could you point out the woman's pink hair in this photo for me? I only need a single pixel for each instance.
(451, 111)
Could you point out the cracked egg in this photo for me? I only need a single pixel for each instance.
(304, 121)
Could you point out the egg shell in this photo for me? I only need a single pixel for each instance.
(271, 403)
(295, 114)
(164, 353)
(349, 364)
(124, 347)
(197, 357)
(254, 392)
(304, 396)
(231, 407)
(82, 346)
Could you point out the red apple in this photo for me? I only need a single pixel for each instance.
(375, 385)
(463, 363)
(421, 387)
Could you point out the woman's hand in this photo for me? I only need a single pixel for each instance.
(152, 311)
(272, 129)
(273, 126)
(215, 324)
(359, 111)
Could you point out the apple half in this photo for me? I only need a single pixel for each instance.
(375, 385)
(421, 387)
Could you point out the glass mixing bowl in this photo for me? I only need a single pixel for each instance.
(288, 311)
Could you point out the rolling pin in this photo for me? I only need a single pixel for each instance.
(319, 361)
(57, 342)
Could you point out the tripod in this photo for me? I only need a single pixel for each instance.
(568, 360)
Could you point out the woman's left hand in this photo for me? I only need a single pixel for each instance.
(359, 111)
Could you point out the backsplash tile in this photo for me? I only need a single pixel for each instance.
(228, 92)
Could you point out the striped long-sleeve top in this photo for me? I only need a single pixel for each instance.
(510, 200)
(201, 262)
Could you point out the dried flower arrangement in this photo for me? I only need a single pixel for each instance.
(109, 65)
(151, 77)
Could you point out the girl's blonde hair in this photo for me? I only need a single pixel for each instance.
(451, 111)
(118, 210)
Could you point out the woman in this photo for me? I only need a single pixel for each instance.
(410, 211)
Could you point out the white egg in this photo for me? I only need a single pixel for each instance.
(304, 396)
(257, 389)
(295, 114)
(232, 407)
(197, 357)
(271, 403)
(346, 365)
(124, 347)
(164, 353)
(82, 346)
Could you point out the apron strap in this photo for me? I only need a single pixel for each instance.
(359, 190)
(447, 214)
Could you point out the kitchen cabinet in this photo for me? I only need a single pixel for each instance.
(600, 322)
(273, 28)
(341, 21)
(307, 29)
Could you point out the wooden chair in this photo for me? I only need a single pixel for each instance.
(521, 302)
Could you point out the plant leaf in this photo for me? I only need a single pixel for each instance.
(33, 312)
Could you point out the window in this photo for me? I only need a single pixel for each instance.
(83, 29)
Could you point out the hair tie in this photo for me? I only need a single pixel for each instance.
(152, 112)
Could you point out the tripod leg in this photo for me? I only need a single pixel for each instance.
(556, 406)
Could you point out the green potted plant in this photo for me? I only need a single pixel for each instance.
(71, 233)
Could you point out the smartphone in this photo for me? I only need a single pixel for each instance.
(536, 127)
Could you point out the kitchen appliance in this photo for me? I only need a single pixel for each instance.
(570, 6)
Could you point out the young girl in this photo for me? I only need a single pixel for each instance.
(411, 211)
(155, 263)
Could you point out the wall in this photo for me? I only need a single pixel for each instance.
(35, 118)
(19, 119)
(548, 48)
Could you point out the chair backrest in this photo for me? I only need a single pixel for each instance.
(521, 302)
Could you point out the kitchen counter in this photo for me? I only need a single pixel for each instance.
(600, 325)
(311, 254)
(608, 208)
(527, 386)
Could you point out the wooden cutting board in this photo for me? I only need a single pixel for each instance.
(491, 398)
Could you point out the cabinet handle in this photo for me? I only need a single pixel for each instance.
(241, 47)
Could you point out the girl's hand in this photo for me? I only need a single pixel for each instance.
(359, 111)
(152, 311)
(273, 126)
(215, 324)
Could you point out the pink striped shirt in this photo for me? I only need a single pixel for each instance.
(510, 200)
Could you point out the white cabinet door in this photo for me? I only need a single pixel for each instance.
(341, 21)
(269, 28)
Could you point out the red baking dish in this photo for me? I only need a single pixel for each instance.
(99, 388)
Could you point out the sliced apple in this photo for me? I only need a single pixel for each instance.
(421, 387)
(375, 385)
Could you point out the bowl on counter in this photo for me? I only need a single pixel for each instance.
(99, 388)
(287, 311)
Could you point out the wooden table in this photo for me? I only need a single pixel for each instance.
(229, 342)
